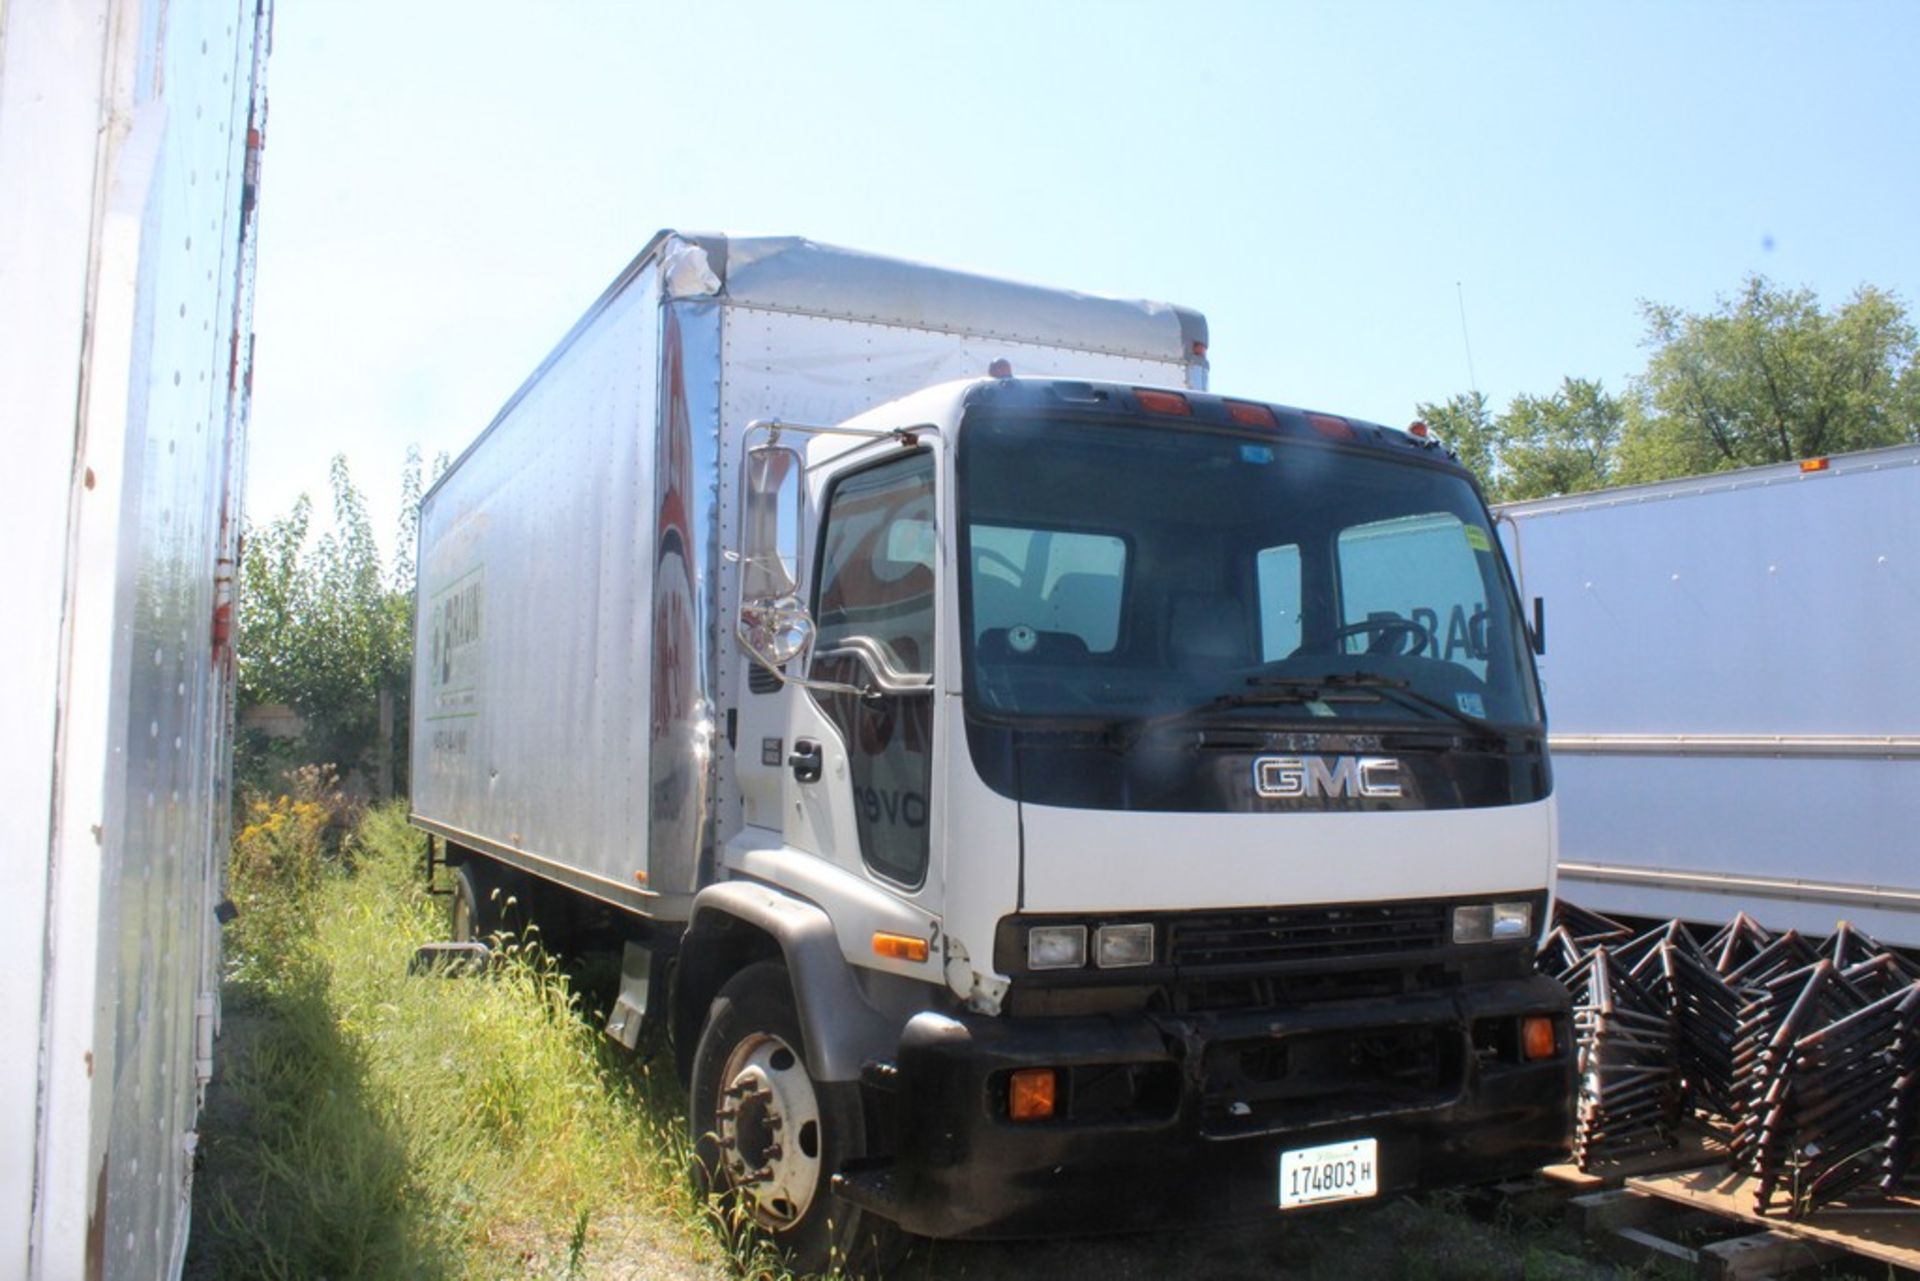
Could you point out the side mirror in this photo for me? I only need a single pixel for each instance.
(769, 523)
(773, 625)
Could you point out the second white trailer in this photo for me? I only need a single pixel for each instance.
(1734, 705)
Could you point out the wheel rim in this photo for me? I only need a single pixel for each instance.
(768, 1125)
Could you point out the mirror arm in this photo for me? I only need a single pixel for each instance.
(808, 683)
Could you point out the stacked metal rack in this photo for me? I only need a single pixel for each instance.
(1806, 1052)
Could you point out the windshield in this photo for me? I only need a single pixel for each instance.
(1124, 572)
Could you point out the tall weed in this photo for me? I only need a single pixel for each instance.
(372, 1124)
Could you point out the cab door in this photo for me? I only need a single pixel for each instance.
(859, 781)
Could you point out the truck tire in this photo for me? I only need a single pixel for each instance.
(474, 911)
(766, 1132)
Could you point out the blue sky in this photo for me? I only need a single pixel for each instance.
(448, 185)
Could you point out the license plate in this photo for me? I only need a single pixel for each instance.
(1331, 1172)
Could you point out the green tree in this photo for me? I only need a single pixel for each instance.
(324, 630)
(1768, 376)
(1464, 424)
(1559, 444)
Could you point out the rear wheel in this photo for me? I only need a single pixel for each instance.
(768, 1134)
(478, 911)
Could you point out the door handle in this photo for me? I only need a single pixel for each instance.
(806, 760)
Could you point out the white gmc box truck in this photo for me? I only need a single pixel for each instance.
(129, 149)
(1033, 804)
(1736, 708)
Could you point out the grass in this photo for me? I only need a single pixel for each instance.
(368, 1124)
(365, 1124)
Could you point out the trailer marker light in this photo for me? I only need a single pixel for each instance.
(1251, 415)
(1331, 427)
(1536, 1038)
(1030, 1094)
(1815, 464)
(899, 947)
(1163, 402)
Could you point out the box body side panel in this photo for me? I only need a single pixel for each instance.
(532, 645)
(153, 417)
(1753, 629)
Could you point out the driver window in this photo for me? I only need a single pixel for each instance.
(876, 563)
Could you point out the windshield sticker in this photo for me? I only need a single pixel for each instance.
(1256, 454)
(1477, 538)
(1472, 705)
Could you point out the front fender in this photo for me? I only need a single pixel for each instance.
(738, 922)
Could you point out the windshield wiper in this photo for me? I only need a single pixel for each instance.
(1263, 691)
(1388, 687)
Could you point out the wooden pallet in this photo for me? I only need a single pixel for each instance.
(1886, 1232)
(1634, 1228)
(1692, 1149)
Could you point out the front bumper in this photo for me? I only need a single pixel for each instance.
(1169, 1119)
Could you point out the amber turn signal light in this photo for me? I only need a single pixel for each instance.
(899, 947)
(1030, 1094)
(1536, 1038)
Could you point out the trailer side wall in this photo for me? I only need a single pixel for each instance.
(1733, 706)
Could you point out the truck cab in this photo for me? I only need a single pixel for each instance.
(1146, 817)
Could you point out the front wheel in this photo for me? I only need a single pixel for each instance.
(766, 1132)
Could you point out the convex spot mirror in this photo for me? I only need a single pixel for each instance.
(775, 631)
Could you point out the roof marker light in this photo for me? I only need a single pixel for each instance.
(1815, 464)
(1163, 402)
(1001, 368)
(1417, 429)
(1251, 415)
(1331, 427)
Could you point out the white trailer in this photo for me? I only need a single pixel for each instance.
(1735, 711)
(1049, 802)
(129, 134)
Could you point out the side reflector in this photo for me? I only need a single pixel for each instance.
(1163, 402)
(1815, 464)
(1030, 1094)
(899, 947)
(1536, 1038)
(1330, 427)
(1251, 415)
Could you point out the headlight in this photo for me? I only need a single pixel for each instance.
(1493, 922)
(1056, 947)
(1118, 946)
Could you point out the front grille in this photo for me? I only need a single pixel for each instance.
(1232, 940)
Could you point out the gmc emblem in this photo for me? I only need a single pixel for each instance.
(1283, 778)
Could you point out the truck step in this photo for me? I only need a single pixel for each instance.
(451, 960)
(871, 1187)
